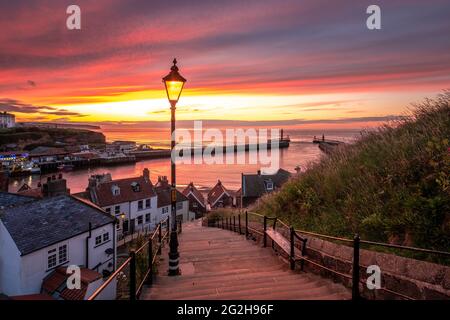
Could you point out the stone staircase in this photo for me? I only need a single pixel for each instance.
(219, 264)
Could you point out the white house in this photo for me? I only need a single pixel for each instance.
(40, 237)
(7, 120)
(132, 201)
(135, 202)
(162, 189)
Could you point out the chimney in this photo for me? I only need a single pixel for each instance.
(259, 172)
(4, 181)
(55, 187)
(146, 174)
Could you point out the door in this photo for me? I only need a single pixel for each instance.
(132, 223)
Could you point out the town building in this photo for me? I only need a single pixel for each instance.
(135, 202)
(196, 200)
(220, 197)
(7, 120)
(41, 237)
(253, 186)
(163, 190)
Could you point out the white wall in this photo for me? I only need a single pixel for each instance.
(131, 212)
(10, 266)
(33, 267)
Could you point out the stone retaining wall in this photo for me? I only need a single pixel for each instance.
(413, 278)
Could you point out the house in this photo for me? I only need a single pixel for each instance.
(163, 190)
(7, 120)
(254, 186)
(132, 200)
(135, 202)
(38, 236)
(48, 154)
(54, 186)
(196, 200)
(219, 196)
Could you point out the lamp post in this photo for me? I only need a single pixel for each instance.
(174, 83)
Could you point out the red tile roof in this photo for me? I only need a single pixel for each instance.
(191, 189)
(105, 196)
(56, 282)
(217, 192)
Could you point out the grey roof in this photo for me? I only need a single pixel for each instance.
(253, 185)
(41, 223)
(12, 199)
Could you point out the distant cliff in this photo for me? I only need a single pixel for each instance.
(27, 138)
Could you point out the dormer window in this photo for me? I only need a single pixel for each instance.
(115, 190)
(269, 185)
(135, 186)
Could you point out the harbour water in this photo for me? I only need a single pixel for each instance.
(301, 152)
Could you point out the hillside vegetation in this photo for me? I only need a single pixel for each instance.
(392, 185)
(27, 138)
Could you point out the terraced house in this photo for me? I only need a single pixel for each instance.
(41, 237)
(137, 204)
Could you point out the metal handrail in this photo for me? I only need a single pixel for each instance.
(131, 261)
(355, 277)
(111, 277)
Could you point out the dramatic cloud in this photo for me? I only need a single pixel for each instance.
(235, 47)
(11, 105)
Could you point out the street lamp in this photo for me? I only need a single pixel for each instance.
(174, 84)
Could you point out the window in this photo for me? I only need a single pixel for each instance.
(98, 240)
(269, 185)
(51, 259)
(140, 205)
(57, 256)
(147, 203)
(62, 254)
(108, 210)
(165, 210)
(139, 219)
(106, 237)
(194, 204)
(147, 218)
(179, 205)
(117, 209)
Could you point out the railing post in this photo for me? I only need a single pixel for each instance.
(234, 223)
(150, 261)
(159, 237)
(168, 225)
(302, 263)
(133, 275)
(265, 235)
(355, 278)
(246, 224)
(292, 254)
(239, 223)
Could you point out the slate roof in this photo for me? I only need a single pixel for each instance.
(191, 189)
(253, 185)
(163, 193)
(105, 197)
(12, 199)
(42, 223)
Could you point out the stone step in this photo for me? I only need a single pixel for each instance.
(239, 288)
(220, 264)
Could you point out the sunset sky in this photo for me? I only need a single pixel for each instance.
(288, 62)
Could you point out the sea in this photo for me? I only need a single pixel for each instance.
(301, 152)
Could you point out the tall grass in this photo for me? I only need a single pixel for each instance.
(392, 185)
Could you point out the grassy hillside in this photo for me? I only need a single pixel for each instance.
(28, 138)
(393, 185)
